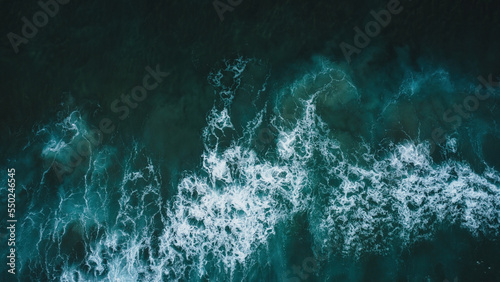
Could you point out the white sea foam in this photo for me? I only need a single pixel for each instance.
(223, 214)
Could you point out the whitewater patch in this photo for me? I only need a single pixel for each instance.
(225, 213)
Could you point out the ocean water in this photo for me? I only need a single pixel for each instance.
(178, 141)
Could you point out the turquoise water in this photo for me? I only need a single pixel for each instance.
(156, 142)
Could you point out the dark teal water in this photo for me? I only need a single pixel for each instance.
(255, 149)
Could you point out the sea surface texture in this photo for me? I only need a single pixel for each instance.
(250, 140)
